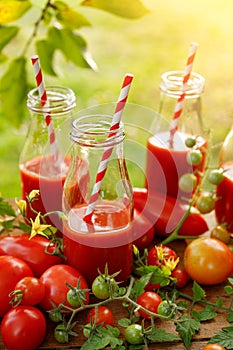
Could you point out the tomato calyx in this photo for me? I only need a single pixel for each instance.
(76, 296)
(64, 331)
(17, 297)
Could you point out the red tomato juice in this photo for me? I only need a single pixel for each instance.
(164, 166)
(108, 239)
(41, 174)
(224, 194)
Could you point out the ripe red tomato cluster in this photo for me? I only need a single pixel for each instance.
(31, 277)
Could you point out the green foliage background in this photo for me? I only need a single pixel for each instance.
(146, 46)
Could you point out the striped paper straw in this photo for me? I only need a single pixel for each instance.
(108, 151)
(44, 103)
(181, 99)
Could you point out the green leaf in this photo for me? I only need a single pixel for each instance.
(160, 335)
(13, 91)
(224, 337)
(187, 327)
(230, 316)
(139, 285)
(219, 302)
(24, 227)
(105, 336)
(7, 33)
(73, 47)
(124, 322)
(11, 10)
(68, 17)
(45, 52)
(127, 8)
(198, 292)
(228, 289)
(6, 209)
(230, 280)
(206, 314)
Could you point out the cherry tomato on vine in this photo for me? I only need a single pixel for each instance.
(73, 298)
(205, 203)
(11, 271)
(158, 254)
(213, 347)
(101, 314)
(165, 308)
(194, 157)
(133, 334)
(221, 233)
(208, 261)
(101, 287)
(60, 334)
(181, 277)
(23, 328)
(150, 301)
(187, 182)
(215, 176)
(28, 291)
(190, 141)
(55, 279)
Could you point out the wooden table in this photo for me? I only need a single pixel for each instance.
(208, 329)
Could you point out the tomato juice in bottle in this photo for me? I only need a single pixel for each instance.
(165, 165)
(108, 240)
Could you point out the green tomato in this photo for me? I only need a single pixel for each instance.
(215, 176)
(194, 157)
(165, 309)
(73, 298)
(55, 315)
(187, 182)
(221, 233)
(61, 334)
(133, 334)
(190, 142)
(205, 203)
(101, 287)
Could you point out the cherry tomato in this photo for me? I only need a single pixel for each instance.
(205, 203)
(190, 141)
(158, 254)
(187, 182)
(23, 328)
(181, 277)
(221, 233)
(28, 291)
(101, 287)
(60, 334)
(150, 301)
(32, 251)
(165, 308)
(215, 176)
(213, 347)
(101, 314)
(12, 270)
(208, 261)
(55, 279)
(143, 229)
(133, 334)
(194, 157)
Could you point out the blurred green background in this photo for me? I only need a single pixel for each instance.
(146, 47)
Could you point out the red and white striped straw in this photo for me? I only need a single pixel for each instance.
(108, 151)
(44, 103)
(181, 99)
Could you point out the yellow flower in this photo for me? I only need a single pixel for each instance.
(38, 228)
(22, 205)
(171, 263)
(33, 194)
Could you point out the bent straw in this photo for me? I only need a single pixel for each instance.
(181, 99)
(44, 103)
(108, 151)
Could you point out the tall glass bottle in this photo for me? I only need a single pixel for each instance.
(166, 162)
(107, 238)
(224, 191)
(39, 168)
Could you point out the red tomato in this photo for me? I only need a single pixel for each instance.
(32, 251)
(143, 230)
(181, 277)
(150, 301)
(23, 328)
(100, 315)
(165, 213)
(55, 279)
(28, 291)
(11, 271)
(208, 261)
(158, 254)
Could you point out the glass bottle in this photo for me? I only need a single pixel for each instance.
(166, 161)
(107, 238)
(224, 191)
(40, 168)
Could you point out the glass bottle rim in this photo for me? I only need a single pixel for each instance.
(94, 131)
(60, 100)
(172, 81)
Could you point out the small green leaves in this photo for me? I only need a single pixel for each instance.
(11, 10)
(224, 337)
(187, 327)
(68, 17)
(46, 51)
(7, 33)
(127, 8)
(198, 292)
